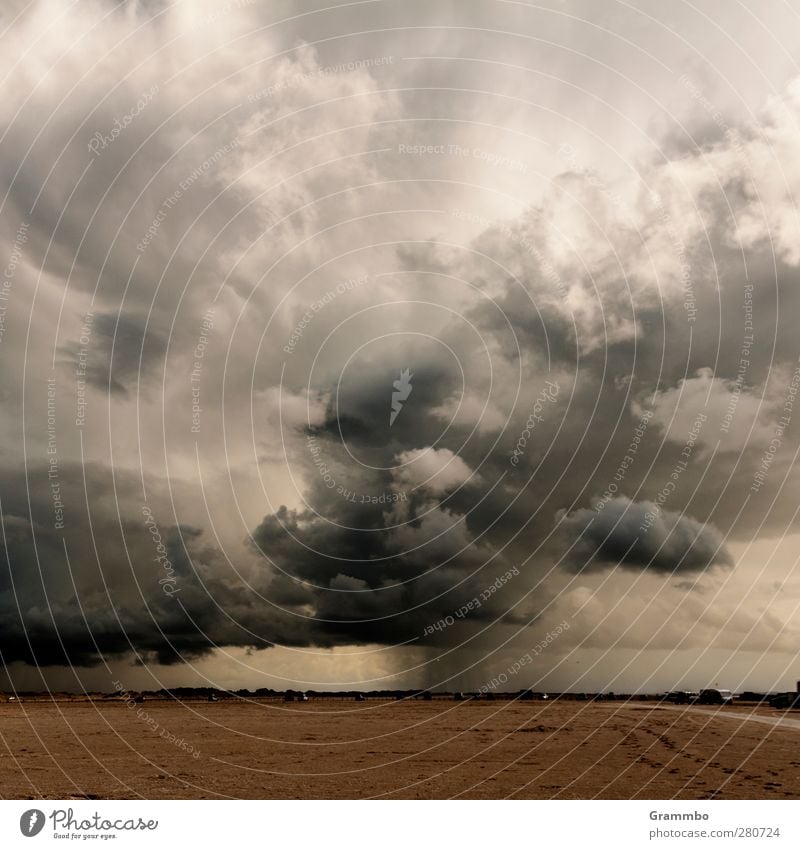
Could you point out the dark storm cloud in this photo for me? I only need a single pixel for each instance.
(163, 592)
(113, 586)
(377, 572)
(641, 536)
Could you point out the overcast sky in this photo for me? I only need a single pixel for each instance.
(399, 343)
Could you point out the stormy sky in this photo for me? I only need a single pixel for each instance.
(369, 344)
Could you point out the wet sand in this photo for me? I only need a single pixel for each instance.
(385, 749)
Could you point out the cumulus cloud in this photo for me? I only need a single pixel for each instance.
(432, 470)
(641, 535)
(714, 411)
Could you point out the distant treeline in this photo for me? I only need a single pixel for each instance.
(211, 693)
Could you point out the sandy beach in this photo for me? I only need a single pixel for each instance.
(384, 749)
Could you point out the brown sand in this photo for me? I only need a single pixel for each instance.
(437, 749)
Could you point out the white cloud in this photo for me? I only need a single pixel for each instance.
(432, 470)
(709, 409)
